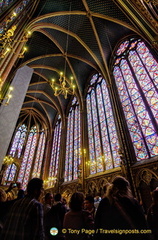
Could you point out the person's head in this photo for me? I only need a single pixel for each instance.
(49, 198)
(76, 201)
(119, 187)
(89, 203)
(19, 185)
(64, 202)
(57, 197)
(97, 198)
(34, 187)
(155, 196)
(120, 183)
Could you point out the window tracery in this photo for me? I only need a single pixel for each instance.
(102, 136)
(39, 155)
(135, 73)
(26, 164)
(73, 142)
(54, 162)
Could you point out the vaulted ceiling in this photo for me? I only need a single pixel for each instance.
(88, 32)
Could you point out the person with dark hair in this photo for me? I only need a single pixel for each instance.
(76, 202)
(48, 202)
(77, 220)
(152, 215)
(89, 205)
(57, 197)
(25, 218)
(119, 215)
(7, 204)
(64, 202)
(21, 192)
(54, 218)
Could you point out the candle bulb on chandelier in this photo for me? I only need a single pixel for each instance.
(61, 75)
(53, 81)
(71, 78)
(73, 88)
(66, 94)
(56, 89)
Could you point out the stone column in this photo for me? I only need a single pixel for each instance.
(9, 114)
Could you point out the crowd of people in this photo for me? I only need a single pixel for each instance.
(117, 216)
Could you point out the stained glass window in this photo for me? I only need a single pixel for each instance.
(10, 173)
(136, 75)
(15, 151)
(18, 141)
(102, 136)
(54, 162)
(39, 155)
(25, 168)
(73, 142)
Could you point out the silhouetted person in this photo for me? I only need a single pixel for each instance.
(25, 218)
(77, 219)
(89, 205)
(21, 192)
(7, 204)
(119, 214)
(48, 202)
(54, 218)
(64, 202)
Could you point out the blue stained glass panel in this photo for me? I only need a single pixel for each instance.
(103, 141)
(54, 163)
(73, 144)
(136, 78)
(25, 167)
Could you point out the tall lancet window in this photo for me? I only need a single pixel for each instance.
(18, 141)
(54, 162)
(15, 151)
(136, 75)
(10, 173)
(103, 141)
(29, 153)
(73, 142)
(39, 155)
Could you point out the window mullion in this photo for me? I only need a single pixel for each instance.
(109, 140)
(94, 146)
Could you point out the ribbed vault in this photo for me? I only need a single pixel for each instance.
(88, 31)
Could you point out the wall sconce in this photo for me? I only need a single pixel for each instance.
(7, 40)
(21, 55)
(5, 51)
(5, 100)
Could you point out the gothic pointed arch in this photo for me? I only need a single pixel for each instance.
(73, 142)
(102, 135)
(54, 162)
(135, 73)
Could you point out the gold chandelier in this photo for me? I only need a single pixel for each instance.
(8, 160)
(6, 46)
(50, 182)
(63, 87)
